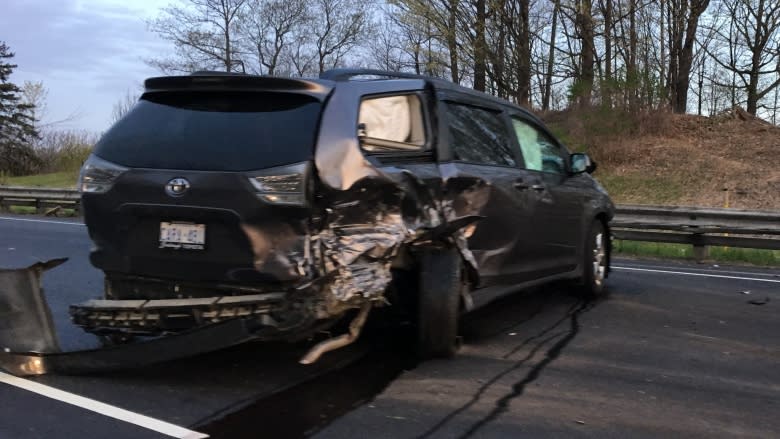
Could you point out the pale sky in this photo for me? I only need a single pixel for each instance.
(88, 53)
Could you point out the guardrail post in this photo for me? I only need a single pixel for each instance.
(700, 250)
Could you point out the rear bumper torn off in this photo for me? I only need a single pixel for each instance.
(153, 317)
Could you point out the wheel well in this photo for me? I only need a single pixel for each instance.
(602, 217)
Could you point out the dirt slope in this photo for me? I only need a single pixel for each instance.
(730, 160)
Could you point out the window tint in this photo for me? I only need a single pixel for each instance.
(479, 136)
(540, 152)
(391, 122)
(213, 131)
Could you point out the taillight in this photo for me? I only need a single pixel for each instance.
(98, 175)
(286, 185)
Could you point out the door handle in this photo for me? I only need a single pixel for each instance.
(521, 185)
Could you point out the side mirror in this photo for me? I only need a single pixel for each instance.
(581, 163)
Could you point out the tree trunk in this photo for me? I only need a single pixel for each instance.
(680, 104)
(662, 76)
(632, 72)
(550, 58)
(584, 20)
(480, 47)
(228, 60)
(524, 67)
(607, 86)
(452, 43)
(500, 76)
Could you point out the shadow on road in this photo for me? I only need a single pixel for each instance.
(307, 408)
(512, 314)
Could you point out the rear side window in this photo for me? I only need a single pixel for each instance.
(479, 136)
(214, 131)
(389, 123)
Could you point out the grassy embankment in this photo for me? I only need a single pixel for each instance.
(689, 160)
(60, 157)
(64, 179)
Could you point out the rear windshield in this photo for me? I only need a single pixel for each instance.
(213, 131)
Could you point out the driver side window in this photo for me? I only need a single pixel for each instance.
(540, 152)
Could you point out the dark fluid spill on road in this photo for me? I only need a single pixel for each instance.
(308, 407)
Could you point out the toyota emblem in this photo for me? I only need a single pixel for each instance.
(177, 187)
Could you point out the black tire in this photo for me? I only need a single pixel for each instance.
(440, 283)
(595, 260)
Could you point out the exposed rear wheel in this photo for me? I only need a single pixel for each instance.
(595, 262)
(440, 283)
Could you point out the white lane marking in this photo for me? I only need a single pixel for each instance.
(710, 270)
(695, 274)
(102, 408)
(41, 221)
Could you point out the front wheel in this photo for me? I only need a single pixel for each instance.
(595, 259)
(440, 283)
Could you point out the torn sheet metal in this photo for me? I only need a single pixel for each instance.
(378, 216)
(348, 251)
(25, 319)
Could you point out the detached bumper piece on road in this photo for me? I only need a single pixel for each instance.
(125, 356)
(28, 340)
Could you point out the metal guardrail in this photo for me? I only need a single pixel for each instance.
(44, 200)
(696, 226)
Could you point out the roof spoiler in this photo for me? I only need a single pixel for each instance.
(220, 81)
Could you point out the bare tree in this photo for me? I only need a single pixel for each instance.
(339, 26)
(584, 27)
(431, 34)
(270, 27)
(205, 35)
(35, 96)
(123, 106)
(548, 80)
(386, 48)
(752, 45)
(683, 21)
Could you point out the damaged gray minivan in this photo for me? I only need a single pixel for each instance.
(298, 203)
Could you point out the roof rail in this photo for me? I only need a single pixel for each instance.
(346, 74)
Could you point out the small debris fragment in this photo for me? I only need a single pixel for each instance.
(763, 301)
(513, 333)
(6, 350)
(716, 265)
(11, 248)
(745, 292)
(580, 422)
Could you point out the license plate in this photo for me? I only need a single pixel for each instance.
(182, 235)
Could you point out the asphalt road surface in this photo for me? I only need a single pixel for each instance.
(676, 350)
